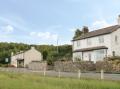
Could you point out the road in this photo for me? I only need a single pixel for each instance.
(64, 74)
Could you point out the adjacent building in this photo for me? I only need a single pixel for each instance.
(97, 44)
(23, 59)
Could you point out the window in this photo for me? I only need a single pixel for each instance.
(78, 43)
(101, 39)
(116, 39)
(89, 42)
(100, 54)
(113, 52)
(78, 56)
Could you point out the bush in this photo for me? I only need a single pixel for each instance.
(50, 62)
(113, 58)
(3, 65)
(105, 65)
(110, 64)
(6, 65)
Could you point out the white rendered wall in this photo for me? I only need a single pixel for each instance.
(116, 46)
(95, 42)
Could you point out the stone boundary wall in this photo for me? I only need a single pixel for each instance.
(69, 66)
(84, 66)
(37, 66)
(108, 66)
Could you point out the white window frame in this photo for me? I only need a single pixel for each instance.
(89, 42)
(100, 54)
(101, 39)
(78, 43)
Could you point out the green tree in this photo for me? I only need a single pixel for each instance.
(48, 51)
(77, 33)
(45, 55)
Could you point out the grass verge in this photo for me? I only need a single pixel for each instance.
(35, 81)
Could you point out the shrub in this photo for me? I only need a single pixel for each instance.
(105, 65)
(113, 58)
(110, 64)
(3, 65)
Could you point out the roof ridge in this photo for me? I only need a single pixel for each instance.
(104, 28)
(102, 31)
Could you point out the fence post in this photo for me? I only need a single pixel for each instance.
(102, 74)
(79, 73)
(44, 72)
(59, 73)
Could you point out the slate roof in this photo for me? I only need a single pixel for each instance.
(98, 32)
(90, 49)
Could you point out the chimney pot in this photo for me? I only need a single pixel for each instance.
(85, 29)
(118, 19)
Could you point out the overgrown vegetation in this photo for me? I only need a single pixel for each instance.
(79, 32)
(34, 81)
(50, 52)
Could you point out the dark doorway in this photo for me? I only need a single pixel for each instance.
(20, 63)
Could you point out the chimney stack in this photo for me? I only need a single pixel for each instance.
(118, 19)
(85, 29)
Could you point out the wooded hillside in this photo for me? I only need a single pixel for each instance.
(50, 52)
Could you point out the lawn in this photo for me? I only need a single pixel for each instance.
(34, 81)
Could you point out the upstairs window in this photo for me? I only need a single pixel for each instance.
(89, 41)
(78, 43)
(101, 39)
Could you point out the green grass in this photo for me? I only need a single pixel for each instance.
(34, 81)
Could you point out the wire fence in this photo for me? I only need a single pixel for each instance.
(93, 75)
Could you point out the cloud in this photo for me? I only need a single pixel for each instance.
(16, 22)
(44, 35)
(32, 33)
(17, 26)
(100, 24)
(11, 29)
(7, 28)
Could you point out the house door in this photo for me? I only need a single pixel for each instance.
(20, 63)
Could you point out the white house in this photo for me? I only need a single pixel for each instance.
(22, 59)
(95, 45)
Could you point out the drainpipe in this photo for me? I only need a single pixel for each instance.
(82, 55)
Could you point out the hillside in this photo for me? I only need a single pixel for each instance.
(49, 52)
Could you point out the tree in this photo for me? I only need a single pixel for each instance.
(48, 51)
(77, 33)
(45, 55)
